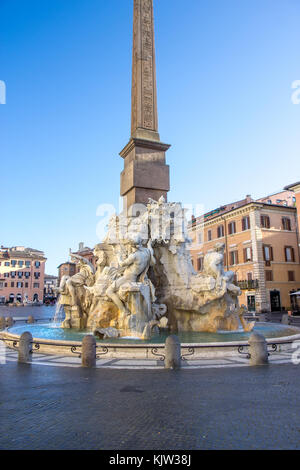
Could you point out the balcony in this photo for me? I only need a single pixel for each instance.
(247, 285)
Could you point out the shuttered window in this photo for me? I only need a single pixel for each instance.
(265, 221)
(246, 223)
(231, 228)
(286, 223)
(289, 254)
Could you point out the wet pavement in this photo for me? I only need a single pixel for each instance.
(38, 312)
(74, 408)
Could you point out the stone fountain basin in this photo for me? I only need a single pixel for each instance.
(128, 349)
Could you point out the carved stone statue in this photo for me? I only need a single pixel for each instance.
(144, 280)
(133, 269)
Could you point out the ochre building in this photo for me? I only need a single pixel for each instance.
(261, 247)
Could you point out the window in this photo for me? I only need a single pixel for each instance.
(37, 264)
(1, 285)
(200, 264)
(12, 284)
(37, 275)
(20, 274)
(6, 274)
(209, 235)
(247, 254)
(26, 284)
(286, 224)
(27, 264)
(234, 258)
(20, 263)
(221, 231)
(13, 274)
(13, 263)
(19, 284)
(269, 276)
(27, 274)
(291, 276)
(268, 253)
(265, 221)
(250, 276)
(231, 228)
(6, 263)
(36, 285)
(246, 223)
(289, 254)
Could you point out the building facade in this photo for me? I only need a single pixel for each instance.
(66, 269)
(295, 188)
(22, 273)
(50, 286)
(261, 248)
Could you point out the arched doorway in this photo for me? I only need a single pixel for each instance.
(19, 297)
(11, 298)
(35, 298)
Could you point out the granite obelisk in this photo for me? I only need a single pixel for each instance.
(145, 174)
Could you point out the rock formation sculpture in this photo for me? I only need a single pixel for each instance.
(144, 280)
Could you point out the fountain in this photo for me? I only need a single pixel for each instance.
(144, 281)
(143, 285)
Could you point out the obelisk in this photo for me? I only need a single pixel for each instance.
(145, 174)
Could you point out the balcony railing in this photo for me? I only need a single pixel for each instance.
(245, 285)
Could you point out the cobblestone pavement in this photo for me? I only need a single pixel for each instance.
(75, 408)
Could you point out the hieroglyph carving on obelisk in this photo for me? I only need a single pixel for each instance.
(144, 95)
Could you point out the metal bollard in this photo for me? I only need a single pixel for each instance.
(25, 347)
(172, 353)
(258, 349)
(88, 356)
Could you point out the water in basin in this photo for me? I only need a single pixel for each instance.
(52, 331)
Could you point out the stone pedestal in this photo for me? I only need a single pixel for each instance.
(172, 353)
(88, 355)
(258, 349)
(25, 347)
(145, 174)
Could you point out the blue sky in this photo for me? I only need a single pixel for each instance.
(225, 70)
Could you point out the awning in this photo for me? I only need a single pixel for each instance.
(296, 293)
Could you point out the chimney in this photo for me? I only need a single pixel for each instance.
(81, 246)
